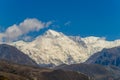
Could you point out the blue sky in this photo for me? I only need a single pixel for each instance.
(72, 17)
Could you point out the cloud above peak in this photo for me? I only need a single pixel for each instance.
(31, 25)
(14, 32)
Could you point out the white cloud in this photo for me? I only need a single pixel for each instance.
(28, 25)
(67, 23)
(31, 25)
(48, 23)
(12, 33)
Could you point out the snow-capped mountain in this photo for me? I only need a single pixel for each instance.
(54, 48)
(95, 44)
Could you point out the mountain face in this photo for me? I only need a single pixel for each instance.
(10, 71)
(54, 48)
(94, 71)
(106, 57)
(11, 53)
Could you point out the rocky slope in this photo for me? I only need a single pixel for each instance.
(9, 71)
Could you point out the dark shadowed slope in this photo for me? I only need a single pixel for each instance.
(11, 53)
(106, 57)
(19, 72)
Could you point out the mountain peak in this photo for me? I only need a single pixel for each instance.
(53, 33)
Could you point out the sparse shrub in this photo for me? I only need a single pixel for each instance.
(3, 78)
